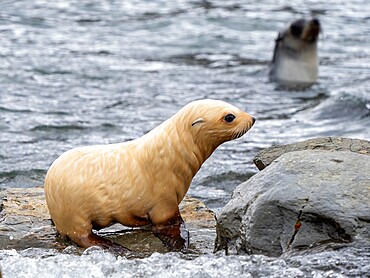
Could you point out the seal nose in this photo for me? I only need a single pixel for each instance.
(253, 120)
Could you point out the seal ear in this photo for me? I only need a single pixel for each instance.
(197, 121)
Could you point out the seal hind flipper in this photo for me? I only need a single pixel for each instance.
(95, 240)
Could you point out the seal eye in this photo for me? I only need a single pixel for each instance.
(229, 118)
(296, 30)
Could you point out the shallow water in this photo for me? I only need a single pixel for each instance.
(77, 73)
(349, 262)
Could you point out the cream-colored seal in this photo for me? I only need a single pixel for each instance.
(295, 56)
(142, 181)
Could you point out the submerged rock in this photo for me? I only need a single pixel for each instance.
(268, 155)
(25, 222)
(303, 199)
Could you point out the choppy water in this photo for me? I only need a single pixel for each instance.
(351, 262)
(77, 73)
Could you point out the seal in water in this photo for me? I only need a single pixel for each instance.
(142, 181)
(295, 55)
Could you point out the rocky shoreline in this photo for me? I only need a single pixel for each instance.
(307, 194)
(25, 223)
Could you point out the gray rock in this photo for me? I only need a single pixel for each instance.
(266, 156)
(301, 200)
(25, 222)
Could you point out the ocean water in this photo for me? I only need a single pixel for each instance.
(76, 73)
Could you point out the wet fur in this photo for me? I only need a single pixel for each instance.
(138, 182)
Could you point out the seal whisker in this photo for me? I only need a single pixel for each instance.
(240, 132)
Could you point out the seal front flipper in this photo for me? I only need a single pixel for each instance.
(172, 233)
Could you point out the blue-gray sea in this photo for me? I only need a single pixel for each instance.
(75, 72)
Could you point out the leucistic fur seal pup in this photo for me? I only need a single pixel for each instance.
(142, 181)
(295, 56)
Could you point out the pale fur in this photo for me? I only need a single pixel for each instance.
(128, 182)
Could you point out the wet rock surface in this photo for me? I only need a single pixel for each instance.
(25, 222)
(266, 156)
(302, 200)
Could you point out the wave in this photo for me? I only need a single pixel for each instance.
(57, 128)
(22, 178)
(213, 60)
(339, 107)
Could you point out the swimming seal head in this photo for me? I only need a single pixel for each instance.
(295, 59)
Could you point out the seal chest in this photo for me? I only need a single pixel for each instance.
(142, 181)
(295, 55)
